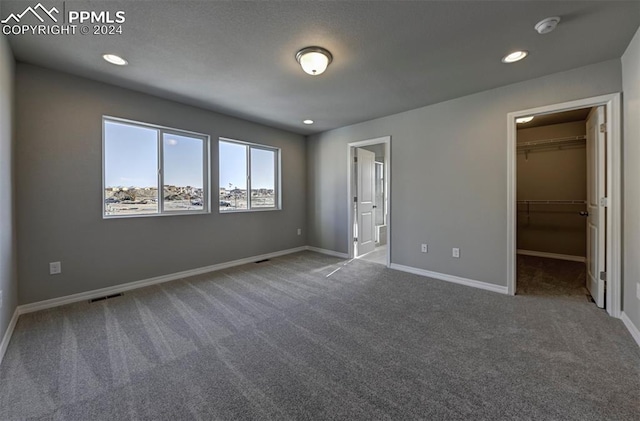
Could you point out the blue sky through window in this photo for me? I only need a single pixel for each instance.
(182, 161)
(131, 160)
(131, 157)
(233, 166)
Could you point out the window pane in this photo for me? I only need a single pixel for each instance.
(233, 176)
(262, 178)
(183, 188)
(130, 169)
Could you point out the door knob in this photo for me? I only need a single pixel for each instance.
(584, 213)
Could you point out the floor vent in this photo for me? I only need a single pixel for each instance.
(262, 261)
(106, 297)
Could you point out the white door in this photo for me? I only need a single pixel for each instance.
(365, 163)
(596, 171)
(379, 194)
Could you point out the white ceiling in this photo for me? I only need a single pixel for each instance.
(389, 56)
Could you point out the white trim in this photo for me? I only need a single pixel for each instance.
(387, 173)
(552, 255)
(635, 333)
(614, 183)
(88, 295)
(328, 252)
(8, 333)
(451, 278)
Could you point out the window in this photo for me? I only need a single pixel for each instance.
(138, 158)
(249, 176)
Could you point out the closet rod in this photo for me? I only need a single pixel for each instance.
(553, 141)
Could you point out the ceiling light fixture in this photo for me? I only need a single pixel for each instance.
(547, 25)
(515, 56)
(522, 120)
(307, 121)
(314, 60)
(114, 59)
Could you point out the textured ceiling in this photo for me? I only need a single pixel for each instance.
(238, 57)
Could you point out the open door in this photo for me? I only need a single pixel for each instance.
(596, 201)
(365, 163)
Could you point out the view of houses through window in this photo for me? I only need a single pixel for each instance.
(248, 176)
(139, 157)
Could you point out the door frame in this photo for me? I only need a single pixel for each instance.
(611, 102)
(350, 188)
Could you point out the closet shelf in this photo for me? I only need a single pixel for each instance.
(571, 141)
(552, 202)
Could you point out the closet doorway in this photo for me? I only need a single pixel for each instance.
(564, 186)
(553, 211)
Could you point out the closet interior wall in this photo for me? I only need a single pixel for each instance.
(555, 174)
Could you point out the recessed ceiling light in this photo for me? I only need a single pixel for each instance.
(522, 120)
(114, 59)
(307, 121)
(515, 56)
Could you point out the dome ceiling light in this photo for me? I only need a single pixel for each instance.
(314, 60)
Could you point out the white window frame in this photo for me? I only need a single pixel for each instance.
(277, 175)
(161, 130)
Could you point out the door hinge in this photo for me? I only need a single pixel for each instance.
(355, 239)
(355, 159)
(604, 201)
(603, 276)
(355, 199)
(603, 128)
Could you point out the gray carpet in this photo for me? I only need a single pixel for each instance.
(551, 277)
(281, 340)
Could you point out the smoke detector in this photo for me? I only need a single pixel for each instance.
(547, 25)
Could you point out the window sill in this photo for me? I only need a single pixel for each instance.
(155, 215)
(249, 210)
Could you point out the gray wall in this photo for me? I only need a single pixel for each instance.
(631, 163)
(552, 174)
(8, 277)
(449, 173)
(59, 181)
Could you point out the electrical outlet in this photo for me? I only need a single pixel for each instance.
(55, 268)
(455, 252)
(638, 290)
(299, 231)
(424, 248)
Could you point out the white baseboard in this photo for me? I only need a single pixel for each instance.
(97, 293)
(450, 278)
(7, 335)
(552, 255)
(631, 327)
(328, 252)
